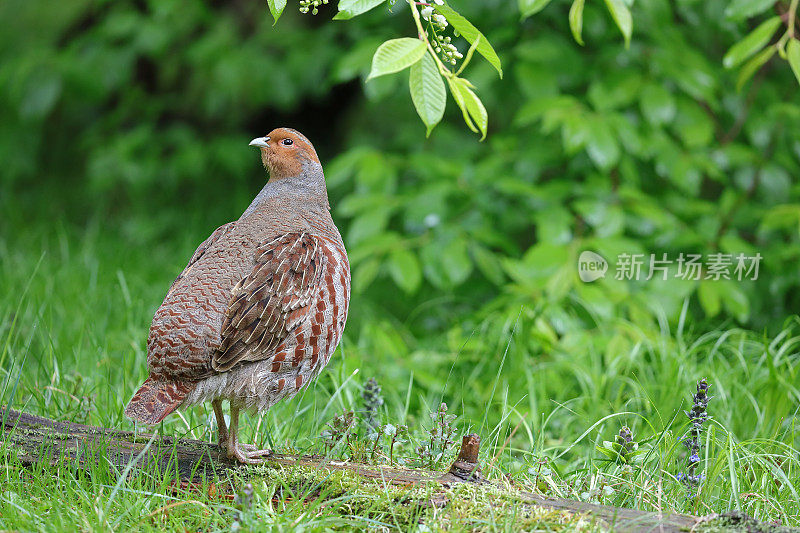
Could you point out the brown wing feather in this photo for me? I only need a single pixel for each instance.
(274, 299)
(205, 245)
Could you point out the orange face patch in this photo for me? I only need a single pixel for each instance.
(285, 153)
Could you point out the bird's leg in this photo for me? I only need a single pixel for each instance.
(242, 453)
(222, 427)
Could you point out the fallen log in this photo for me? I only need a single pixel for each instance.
(35, 440)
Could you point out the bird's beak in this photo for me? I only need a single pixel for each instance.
(261, 142)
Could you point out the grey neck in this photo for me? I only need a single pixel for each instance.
(308, 188)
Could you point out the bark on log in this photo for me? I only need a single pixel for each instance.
(35, 440)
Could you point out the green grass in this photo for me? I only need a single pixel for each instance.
(74, 316)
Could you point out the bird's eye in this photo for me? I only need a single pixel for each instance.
(287, 142)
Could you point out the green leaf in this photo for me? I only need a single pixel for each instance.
(742, 9)
(395, 55)
(457, 96)
(752, 66)
(476, 110)
(427, 91)
(352, 8)
(405, 270)
(470, 33)
(657, 104)
(42, 91)
(708, 294)
(471, 106)
(469, 55)
(734, 300)
(693, 125)
(531, 7)
(752, 43)
(365, 274)
(782, 216)
(276, 7)
(488, 264)
(554, 225)
(456, 262)
(793, 56)
(574, 133)
(614, 91)
(622, 16)
(576, 20)
(431, 256)
(540, 263)
(602, 145)
(367, 224)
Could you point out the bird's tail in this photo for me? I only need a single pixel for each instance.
(155, 399)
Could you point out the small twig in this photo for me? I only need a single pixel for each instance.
(792, 16)
(788, 17)
(443, 70)
(72, 396)
(734, 131)
(375, 446)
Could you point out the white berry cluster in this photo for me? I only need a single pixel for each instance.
(437, 20)
(447, 50)
(441, 44)
(312, 5)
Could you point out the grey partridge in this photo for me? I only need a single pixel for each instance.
(261, 306)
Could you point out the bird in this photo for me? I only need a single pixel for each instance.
(259, 309)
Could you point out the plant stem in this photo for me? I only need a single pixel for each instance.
(375, 447)
(443, 70)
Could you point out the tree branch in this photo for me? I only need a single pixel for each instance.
(36, 440)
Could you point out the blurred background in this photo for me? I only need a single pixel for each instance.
(124, 130)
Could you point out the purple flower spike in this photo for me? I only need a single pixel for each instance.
(697, 415)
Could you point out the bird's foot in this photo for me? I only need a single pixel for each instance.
(223, 443)
(248, 454)
(246, 447)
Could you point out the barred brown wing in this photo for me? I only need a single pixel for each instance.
(273, 300)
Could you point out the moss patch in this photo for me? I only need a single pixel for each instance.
(736, 521)
(418, 507)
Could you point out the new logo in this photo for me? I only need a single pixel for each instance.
(591, 266)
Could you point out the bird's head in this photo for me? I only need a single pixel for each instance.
(286, 153)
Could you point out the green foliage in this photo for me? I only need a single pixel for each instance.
(755, 41)
(276, 7)
(352, 8)
(642, 150)
(471, 34)
(427, 92)
(123, 135)
(425, 79)
(622, 17)
(531, 7)
(396, 55)
(576, 20)
(793, 56)
(547, 404)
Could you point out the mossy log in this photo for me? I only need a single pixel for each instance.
(34, 439)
